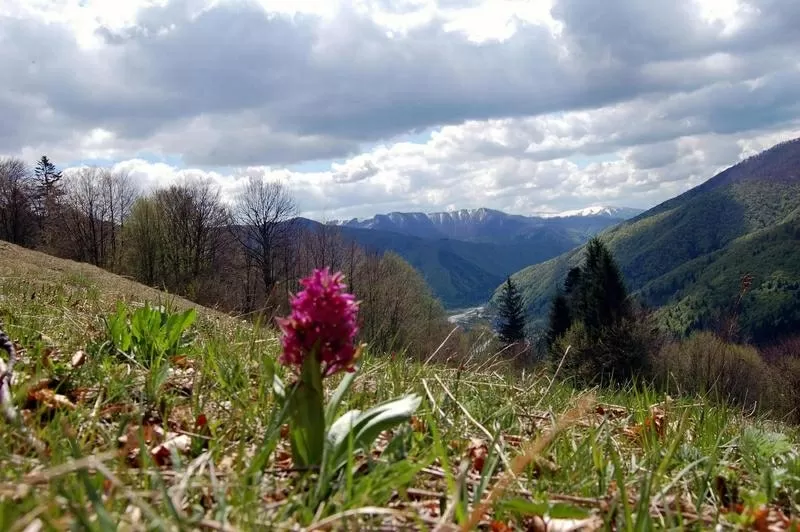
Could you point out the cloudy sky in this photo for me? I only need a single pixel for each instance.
(369, 106)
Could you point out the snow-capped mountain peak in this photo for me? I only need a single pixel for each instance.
(597, 210)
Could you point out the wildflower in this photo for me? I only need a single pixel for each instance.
(322, 323)
(318, 340)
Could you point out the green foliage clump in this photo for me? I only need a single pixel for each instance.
(149, 335)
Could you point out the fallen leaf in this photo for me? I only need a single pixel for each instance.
(499, 526)
(181, 361)
(81, 395)
(179, 443)
(477, 451)
(78, 359)
(417, 425)
(657, 421)
(611, 411)
(51, 399)
(135, 437)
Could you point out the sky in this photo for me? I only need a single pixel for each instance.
(369, 106)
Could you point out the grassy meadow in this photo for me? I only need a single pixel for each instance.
(110, 441)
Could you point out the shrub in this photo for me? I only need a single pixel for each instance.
(614, 354)
(705, 364)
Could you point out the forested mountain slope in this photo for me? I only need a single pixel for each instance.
(688, 254)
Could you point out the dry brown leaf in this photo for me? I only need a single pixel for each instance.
(611, 411)
(78, 359)
(179, 443)
(50, 399)
(477, 451)
(181, 361)
(82, 395)
(130, 442)
(657, 421)
(109, 411)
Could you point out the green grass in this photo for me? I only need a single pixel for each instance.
(707, 464)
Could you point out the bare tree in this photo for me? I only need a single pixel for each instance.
(17, 219)
(261, 214)
(193, 221)
(96, 203)
(84, 215)
(144, 242)
(119, 193)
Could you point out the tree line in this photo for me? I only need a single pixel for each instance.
(242, 256)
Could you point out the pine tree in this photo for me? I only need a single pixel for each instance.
(511, 314)
(47, 186)
(560, 319)
(599, 298)
(605, 338)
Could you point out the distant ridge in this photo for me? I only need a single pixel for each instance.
(485, 224)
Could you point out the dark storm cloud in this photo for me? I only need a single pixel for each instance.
(265, 89)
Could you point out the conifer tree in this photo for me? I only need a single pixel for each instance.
(47, 196)
(602, 299)
(47, 179)
(511, 314)
(595, 304)
(560, 319)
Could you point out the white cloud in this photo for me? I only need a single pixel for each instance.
(530, 105)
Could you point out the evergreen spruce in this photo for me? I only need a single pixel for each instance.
(47, 186)
(511, 314)
(595, 316)
(46, 175)
(599, 298)
(560, 319)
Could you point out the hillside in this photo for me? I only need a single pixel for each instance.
(463, 255)
(688, 254)
(22, 269)
(198, 443)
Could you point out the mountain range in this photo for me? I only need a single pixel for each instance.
(465, 254)
(687, 256)
(489, 225)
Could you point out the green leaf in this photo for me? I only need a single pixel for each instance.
(366, 426)
(176, 325)
(278, 388)
(336, 399)
(337, 433)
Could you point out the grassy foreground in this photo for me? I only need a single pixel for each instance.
(201, 446)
